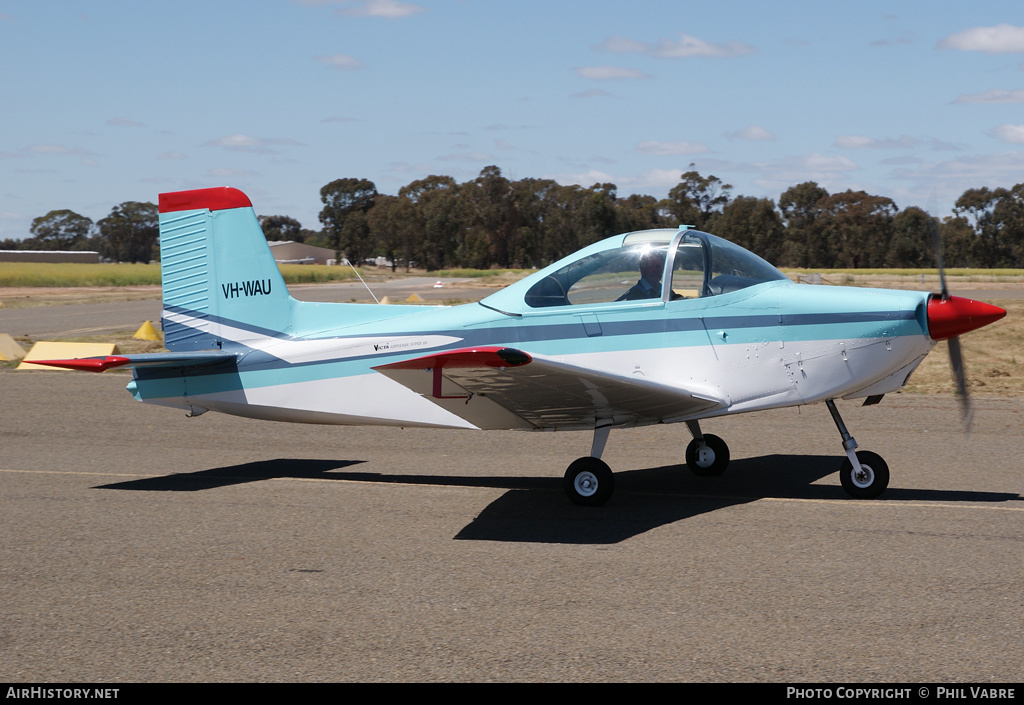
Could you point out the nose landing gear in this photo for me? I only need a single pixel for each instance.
(863, 474)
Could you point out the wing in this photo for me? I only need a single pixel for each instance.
(494, 387)
(107, 362)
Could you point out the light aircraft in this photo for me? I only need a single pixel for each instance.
(567, 348)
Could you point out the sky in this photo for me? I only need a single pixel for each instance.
(108, 101)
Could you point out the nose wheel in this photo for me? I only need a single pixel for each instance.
(866, 481)
(863, 474)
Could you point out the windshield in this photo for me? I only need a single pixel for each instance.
(707, 265)
(700, 265)
(627, 273)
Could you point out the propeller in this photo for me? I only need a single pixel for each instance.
(956, 357)
(951, 316)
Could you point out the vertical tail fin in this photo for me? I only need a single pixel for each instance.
(221, 284)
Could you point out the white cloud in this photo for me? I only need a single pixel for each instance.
(993, 96)
(820, 163)
(621, 45)
(671, 148)
(687, 46)
(254, 145)
(123, 122)
(609, 73)
(342, 62)
(228, 173)
(466, 156)
(1001, 39)
(1014, 134)
(751, 134)
(388, 9)
(585, 179)
(660, 180)
(862, 142)
(829, 171)
(59, 149)
(956, 176)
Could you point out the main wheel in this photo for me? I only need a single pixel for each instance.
(710, 460)
(869, 480)
(589, 482)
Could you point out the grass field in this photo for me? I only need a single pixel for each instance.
(47, 274)
(50, 274)
(66, 274)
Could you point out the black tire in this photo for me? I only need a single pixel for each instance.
(869, 481)
(711, 464)
(589, 482)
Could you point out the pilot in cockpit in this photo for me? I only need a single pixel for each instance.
(652, 266)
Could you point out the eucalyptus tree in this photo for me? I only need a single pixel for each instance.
(800, 208)
(753, 223)
(280, 227)
(439, 217)
(131, 232)
(59, 230)
(346, 203)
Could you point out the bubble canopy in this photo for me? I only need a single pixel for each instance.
(633, 268)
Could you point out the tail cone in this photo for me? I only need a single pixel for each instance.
(955, 315)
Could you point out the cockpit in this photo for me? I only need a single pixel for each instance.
(694, 264)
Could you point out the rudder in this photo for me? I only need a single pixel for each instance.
(221, 284)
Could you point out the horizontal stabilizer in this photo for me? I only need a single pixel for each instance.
(106, 362)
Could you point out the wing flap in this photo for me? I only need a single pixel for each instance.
(508, 388)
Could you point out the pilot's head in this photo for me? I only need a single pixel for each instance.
(652, 265)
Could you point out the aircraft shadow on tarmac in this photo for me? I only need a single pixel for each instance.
(535, 509)
(232, 475)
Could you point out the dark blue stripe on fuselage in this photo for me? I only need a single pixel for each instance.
(521, 332)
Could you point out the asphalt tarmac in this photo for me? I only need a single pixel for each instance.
(138, 545)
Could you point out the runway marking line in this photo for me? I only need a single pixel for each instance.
(863, 502)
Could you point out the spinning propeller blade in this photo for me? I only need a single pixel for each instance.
(949, 316)
(956, 361)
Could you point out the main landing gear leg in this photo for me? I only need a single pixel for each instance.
(589, 480)
(706, 455)
(864, 475)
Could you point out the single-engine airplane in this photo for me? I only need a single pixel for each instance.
(579, 345)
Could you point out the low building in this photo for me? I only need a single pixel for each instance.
(289, 252)
(87, 256)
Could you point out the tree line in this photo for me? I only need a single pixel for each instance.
(492, 221)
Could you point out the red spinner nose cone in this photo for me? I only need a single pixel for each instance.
(948, 318)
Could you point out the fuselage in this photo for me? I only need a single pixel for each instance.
(763, 346)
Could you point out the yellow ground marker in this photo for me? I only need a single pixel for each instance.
(146, 332)
(10, 349)
(45, 350)
(414, 299)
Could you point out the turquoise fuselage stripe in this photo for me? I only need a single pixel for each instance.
(770, 312)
